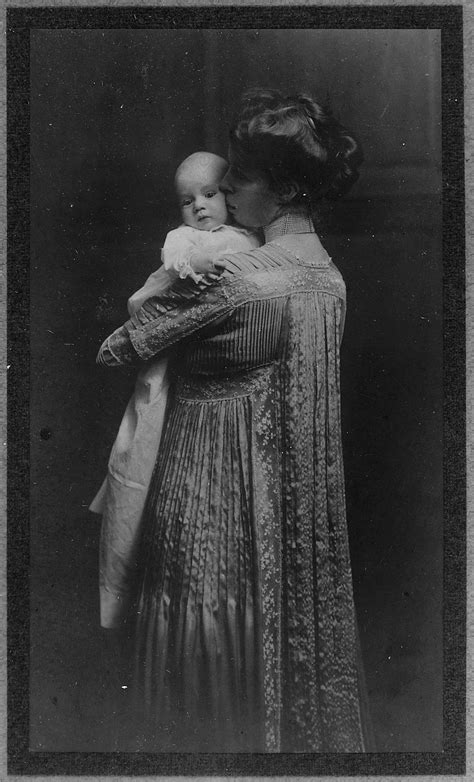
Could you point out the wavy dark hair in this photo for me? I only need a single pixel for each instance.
(294, 140)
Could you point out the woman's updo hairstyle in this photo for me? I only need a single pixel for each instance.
(293, 140)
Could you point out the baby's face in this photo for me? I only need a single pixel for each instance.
(202, 203)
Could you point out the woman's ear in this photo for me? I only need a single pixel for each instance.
(287, 192)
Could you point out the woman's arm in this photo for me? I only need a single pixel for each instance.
(165, 320)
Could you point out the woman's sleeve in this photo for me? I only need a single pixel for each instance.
(165, 320)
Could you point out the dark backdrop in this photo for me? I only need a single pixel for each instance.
(112, 114)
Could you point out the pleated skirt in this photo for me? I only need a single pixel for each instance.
(198, 679)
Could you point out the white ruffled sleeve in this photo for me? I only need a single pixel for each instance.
(177, 253)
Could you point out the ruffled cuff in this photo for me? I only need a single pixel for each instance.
(179, 259)
(184, 269)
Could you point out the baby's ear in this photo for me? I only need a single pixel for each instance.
(287, 192)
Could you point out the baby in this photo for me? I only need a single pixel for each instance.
(192, 250)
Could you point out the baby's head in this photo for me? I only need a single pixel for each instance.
(197, 187)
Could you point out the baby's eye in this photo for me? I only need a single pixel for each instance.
(186, 202)
(210, 194)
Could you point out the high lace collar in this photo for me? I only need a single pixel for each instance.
(289, 223)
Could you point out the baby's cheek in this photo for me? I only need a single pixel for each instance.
(187, 216)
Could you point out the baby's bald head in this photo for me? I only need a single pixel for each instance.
(201, 165)
(197, 187)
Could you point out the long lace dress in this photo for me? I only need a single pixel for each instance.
(246, 636)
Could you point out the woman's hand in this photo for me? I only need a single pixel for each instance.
(219, 267)
(210, 268)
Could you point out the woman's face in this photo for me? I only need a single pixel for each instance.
(249, 198)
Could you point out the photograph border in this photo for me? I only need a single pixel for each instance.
(449, 19)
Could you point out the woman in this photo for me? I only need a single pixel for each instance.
(246, 636)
